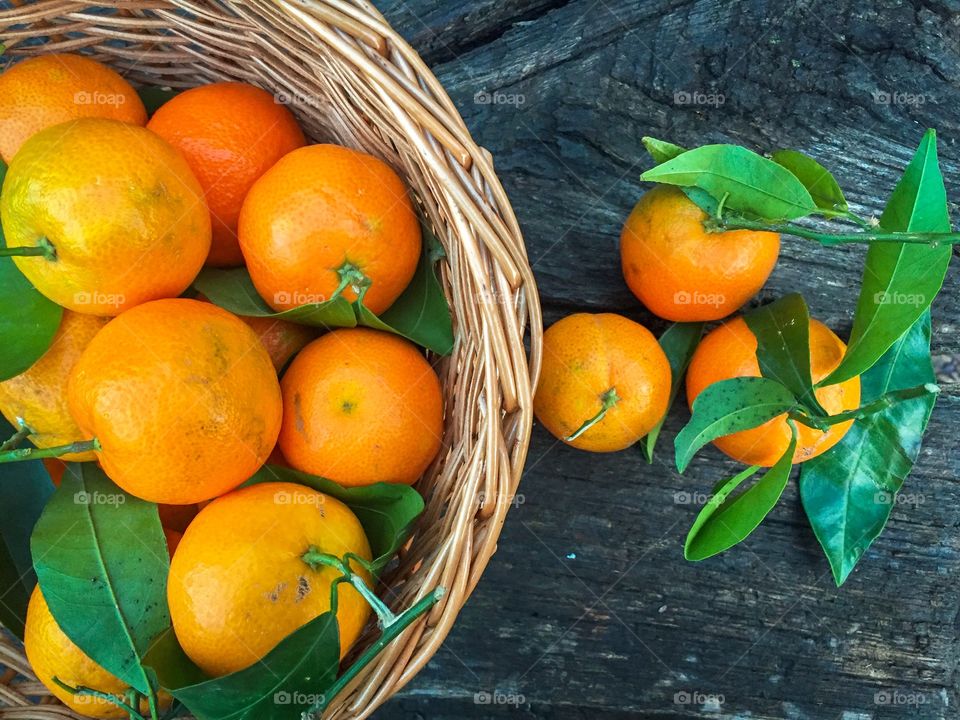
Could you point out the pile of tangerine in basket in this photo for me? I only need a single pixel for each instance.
(180, 401)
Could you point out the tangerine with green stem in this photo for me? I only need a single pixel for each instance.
(730, 351)
(328, 218)
(605, 382)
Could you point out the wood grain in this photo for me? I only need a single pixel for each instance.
(589, 610)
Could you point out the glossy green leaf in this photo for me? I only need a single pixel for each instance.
(285, 683)
(752, 184)
(661, 150)
(818, 181)
(782, 329)
(727, 407)
(849, 491)
(420, 314)
(101, 559)
(154, 97)
(387, 511)
(28, 320)
(233, 290)
(25, 488)
(900, 280)
(678, 342)
(725, 520)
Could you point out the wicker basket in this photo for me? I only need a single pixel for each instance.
(352, 80)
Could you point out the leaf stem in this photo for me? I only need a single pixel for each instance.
(314, 558)
(390, 633)
(712, 225)
(44, 248)
(881, 403)
(90, 692)
(21, 454)
(607, 401)
(18, 437)
(351, 276)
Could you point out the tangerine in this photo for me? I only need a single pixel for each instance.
(230, 133)
(604, 384)
(730, 351)
(683, 273)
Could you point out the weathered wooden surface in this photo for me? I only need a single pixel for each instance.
(589, 610)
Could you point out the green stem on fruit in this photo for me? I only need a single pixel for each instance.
(82, 691)
(44, 248)
(713, 225)
(390, 633)
(21, 454)
(314, 558)
(607, 401)
(18, 437)
(351, 276)
(871, 408)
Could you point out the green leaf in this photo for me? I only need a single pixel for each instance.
(730, 406)
(25, 488)
(900, 280)
(154, 97)
(101, 559)
(724, 522)
(284, 684)
(660, 150)
(782, 329)
(28, 320)
(678, 342)
(752, 184)
(387, 511)
(818, 181)
(420, 314)
(233, 290)
(849, 491)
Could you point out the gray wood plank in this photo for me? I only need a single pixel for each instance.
(589, 609)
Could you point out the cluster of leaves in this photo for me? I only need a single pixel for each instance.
(101, 560)
(849, 491)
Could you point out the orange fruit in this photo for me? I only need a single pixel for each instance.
(123, 212)
(323, 209)
(57, 467)
(238, 582)
(282, 339)
(47, 90)
(730, 351)
(173, 538)
(361, 406)
(52, 654)
(182, 397)
(177, 517)
(39, 394)
(683, 273)
(230, 133)
(592, 361)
